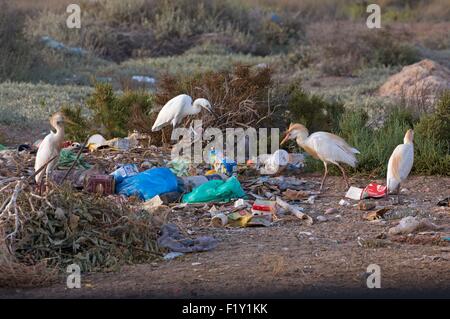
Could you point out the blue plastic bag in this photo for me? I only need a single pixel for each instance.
(149, 183)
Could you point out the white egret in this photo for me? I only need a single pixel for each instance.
(400, 164)
(177, 108)
(50, 147)
(324, 146)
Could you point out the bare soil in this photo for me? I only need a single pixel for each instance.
(280, 261)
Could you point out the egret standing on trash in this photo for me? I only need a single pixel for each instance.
(50, 147)
(324, 146)
(178, 108)
(400, 164)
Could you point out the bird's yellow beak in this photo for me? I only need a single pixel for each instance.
(66, 120)
(285, 139)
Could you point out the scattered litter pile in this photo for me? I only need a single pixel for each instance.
(109, 205)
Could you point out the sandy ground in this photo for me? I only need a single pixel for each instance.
(280, 261)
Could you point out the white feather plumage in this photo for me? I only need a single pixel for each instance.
(176, 109)
(399, 165)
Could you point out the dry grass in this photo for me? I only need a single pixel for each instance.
(343, 48)
(240, 98)
(276, 264)
(18, 275)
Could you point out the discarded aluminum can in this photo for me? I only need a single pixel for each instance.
(100, 184)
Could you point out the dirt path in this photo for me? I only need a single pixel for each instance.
(280, 261)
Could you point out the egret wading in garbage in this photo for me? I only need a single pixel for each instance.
(324, 146)
(400, 164)
(50, 147)
(177, 108)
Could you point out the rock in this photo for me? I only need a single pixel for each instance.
(172, 255)
(305, 233)
(321, 218)
(343, 202)
(425, 79)
(332, 210)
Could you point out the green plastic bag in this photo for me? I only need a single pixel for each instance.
(67, 157)
(215, 191)
(2, 147)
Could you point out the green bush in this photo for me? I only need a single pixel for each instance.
(119, 30)
(431, 155)
(342, 49)
(433, 139)
(79, 129)
(375, 146)
(387, 49)
(110, 114)
(19, 56)
(312, 111)
(436, 126)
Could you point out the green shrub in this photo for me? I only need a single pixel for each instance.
(436, 126)
(79, 129)
(19, 57)
(119, 30)
(312, 111)
(433, 139)
(431, 155)
(110, 114)
(342, 49)
(387, 49)
(375, 146)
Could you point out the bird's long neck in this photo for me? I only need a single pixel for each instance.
(194, 109)
(59, 135)
(302, 137)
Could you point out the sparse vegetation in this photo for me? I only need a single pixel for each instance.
(261, 64)
(18, 58)
(344, 48)
(312, 111)
(376, 145)
(194, 49)
(110, 114)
